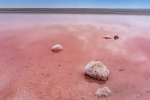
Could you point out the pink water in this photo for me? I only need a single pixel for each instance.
(29, 70)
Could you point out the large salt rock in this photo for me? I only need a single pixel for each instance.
(103, 92)
(97, 70)
(57, 47)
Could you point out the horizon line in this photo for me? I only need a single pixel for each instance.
(129, 11)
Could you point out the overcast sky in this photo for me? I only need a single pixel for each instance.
(74, 3)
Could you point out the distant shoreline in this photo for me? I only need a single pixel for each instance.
(77, 11)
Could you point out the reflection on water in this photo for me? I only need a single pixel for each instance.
(92, 80)
(30, 70)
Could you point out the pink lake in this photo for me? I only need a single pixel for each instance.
(29, 70)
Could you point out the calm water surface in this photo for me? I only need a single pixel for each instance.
(29, 70)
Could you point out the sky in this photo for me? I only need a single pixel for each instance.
(144, 4)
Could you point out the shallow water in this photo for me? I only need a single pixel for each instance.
(29, 70)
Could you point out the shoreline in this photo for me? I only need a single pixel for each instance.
(77, 11)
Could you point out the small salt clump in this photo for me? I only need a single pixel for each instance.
(103, 92)
(57, 47)
(107, 37)
(97, 70)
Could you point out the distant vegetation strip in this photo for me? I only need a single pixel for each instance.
(77, 11)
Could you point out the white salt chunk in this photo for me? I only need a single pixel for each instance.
(57, 47)
(97, 70)
(103, 92)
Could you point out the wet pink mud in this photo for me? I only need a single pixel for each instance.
(29, 70)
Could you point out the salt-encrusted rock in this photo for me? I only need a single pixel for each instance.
(103, 92)
(97, 70)
(107, 37)
(57, 47)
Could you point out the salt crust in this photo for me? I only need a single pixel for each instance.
(97, 70)
(103, 92)
(57, 47)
